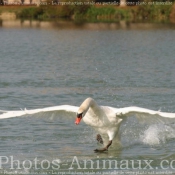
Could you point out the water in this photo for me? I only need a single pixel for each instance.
(55, 65)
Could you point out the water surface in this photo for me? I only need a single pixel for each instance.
(56, 65)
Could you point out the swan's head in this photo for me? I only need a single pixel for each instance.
(84, 107)
(78, 119)
(80, 114)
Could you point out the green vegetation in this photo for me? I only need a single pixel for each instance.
(107, 13)
(31, 12)
(52, 12)
(85, 12)
(151, 13)
(12, 9)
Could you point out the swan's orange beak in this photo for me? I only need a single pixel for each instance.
(78, 119)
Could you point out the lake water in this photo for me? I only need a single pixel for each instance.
(118, 65)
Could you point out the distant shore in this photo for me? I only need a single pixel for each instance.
(70, 24)
(93, 13)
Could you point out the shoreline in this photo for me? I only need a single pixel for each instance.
(70, 24)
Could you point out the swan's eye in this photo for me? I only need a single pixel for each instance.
(79, 115)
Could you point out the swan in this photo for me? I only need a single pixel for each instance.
(105, 119)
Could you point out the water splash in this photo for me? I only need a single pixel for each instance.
(157, 134)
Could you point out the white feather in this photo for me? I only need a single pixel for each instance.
(105, 119)
(12, 114)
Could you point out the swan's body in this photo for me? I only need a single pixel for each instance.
(104, 119)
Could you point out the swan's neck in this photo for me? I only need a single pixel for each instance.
(88, 103)
(92, 113)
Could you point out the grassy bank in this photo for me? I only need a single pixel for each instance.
(149, 13)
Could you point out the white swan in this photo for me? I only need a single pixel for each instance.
(105, 119)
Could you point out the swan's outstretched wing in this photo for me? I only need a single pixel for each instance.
(143, 114)
(11, 114)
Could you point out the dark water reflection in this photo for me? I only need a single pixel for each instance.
(67, 24)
